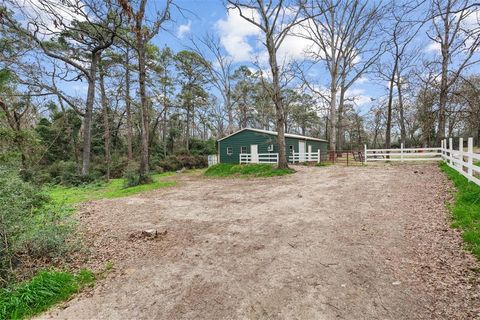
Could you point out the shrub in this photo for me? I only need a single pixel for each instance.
(132, 177)
(178, 162)
(29, 225)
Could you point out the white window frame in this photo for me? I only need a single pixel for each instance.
(270, 148)
(229, 151)
(241, 149)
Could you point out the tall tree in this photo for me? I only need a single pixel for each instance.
(459, 40)
(342, 34)
(192, 74)
(143, 35)
(80, 31)
(275, 19)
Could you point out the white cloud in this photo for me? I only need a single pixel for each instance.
(235, 33)
(358, 96)
(184, 29)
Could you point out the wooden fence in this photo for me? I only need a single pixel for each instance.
(305, 157)
(465, 162)
(403, 154)
(259, 158)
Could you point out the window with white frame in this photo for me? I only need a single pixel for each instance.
(291, 149)
(243, 149)
(229, 151)
(270, 148)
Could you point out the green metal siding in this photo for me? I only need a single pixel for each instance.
(247, 137)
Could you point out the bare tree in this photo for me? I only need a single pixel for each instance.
(220, 73)
(458, 40)
(401, 35)
(275, 19)
(342, 34)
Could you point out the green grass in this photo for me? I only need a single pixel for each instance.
(465, 209)
(113, 189)
(41, 292)
(323, 164)
(245, 170)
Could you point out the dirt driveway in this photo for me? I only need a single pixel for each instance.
(324, 243)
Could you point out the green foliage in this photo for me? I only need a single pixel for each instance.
(254, 170)
(465, 209)
(42, 291)
(178, 162)
(29, 224)
(202, 147)
(132, 178)
(115, 188)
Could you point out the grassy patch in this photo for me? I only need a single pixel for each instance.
(113, 189)
(466, 208)
(245, 170)
(323, 164)
(41, 292)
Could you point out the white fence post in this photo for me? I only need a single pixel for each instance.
(470, 157)
(365, 154)
(401, 151)
(318, 159)
(460, 152)
(442, 149)
(450, 148)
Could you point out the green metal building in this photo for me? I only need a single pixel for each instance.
(254, 142)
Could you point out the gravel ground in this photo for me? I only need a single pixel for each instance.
(368, 242)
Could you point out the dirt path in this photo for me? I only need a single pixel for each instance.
(324, 243)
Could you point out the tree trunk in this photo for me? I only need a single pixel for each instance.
(106, 122)
(128, 104)
(87, 120)
(443, 96)
(142, 74)
(278, 101)
(340, 124)
(187, 132)
(332, 129)
(388, 131)
(403, 131)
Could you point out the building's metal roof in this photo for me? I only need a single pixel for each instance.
(287, 135)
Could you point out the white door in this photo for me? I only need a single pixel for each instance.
(301, 151)
(254, 153)
(309, 157)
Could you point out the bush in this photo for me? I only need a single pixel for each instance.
(132, 177)
(29, 225)
(178, 162)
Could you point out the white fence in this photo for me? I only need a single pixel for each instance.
(305, 157)
(460, 160)
(403, 154)
(259, 158)
(212, 159)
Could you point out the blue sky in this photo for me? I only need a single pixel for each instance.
(241, 41)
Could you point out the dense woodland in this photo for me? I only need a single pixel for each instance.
(148, 108)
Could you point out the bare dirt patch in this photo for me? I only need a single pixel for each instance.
(324, 243)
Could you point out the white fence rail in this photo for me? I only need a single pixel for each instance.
(403, 154)
(305, 157)
(460, 160)
(259, 158)
(212, 159)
